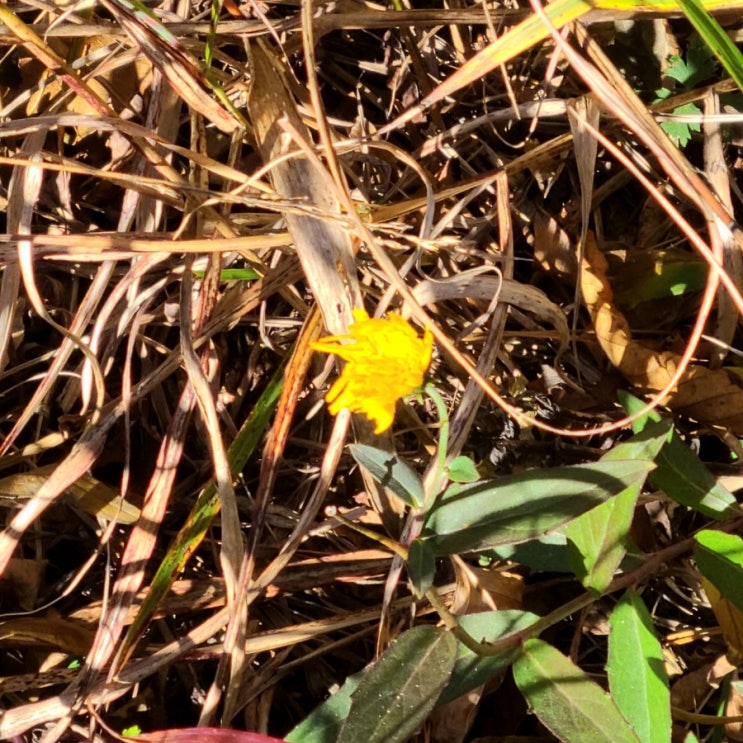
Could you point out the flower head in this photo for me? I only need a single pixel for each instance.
(386, 360)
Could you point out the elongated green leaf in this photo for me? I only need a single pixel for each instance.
(566, 700)
(645, 444)
(637, 676)
(232, 274)
(683, 478)
(472, 670)
(391, 472)
(521, 507)
(680, 473)
(715, 37)
(397, 693)
(599, 538)
(719, 558)
(324, 723)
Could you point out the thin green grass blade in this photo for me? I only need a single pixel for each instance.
(715, 38)
(211, 38)
(183, 71)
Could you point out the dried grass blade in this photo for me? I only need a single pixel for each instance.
(617, 95)
(323, 246)
(726, 320)
(203, 512)
(464, 417)
(180, 69)
(51, 60)
(72, 339)
(142, 539)
(527, 34)
(23, 191)
(232, 543)
(91, 495)
(273, 450)
(69, 471)
(15, 721)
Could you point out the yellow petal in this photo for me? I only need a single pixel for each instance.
(386, 360)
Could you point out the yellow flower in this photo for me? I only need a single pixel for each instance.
(386, 360)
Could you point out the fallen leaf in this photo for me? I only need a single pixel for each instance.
(481, 589)
(24, 578)
(730, 619)
(90, 495)
(49, 630)
(710, 397)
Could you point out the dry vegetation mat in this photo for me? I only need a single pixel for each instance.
(371, 372)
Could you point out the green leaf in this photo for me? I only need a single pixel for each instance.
(324, 723)
(232, 274)
(421, 566)
(549, 553)
(715, 38)
(572, 706)
(680, 131)
(646, 444)
(658, 274)
(719, 557)
(398, 692)
(472, 670)
(525, 506)
(681, 475)
(698, 67)
(462, 469)
(599, 538)
(391, 472)
(637, 675)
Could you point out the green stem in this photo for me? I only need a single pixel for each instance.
(434, 484)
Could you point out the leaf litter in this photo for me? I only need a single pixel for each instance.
(137, 371)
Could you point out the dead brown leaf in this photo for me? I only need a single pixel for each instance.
(710, 397)
(24, 579)
(482, 589)
(730, 619)
(49, 630)
(90, 495)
